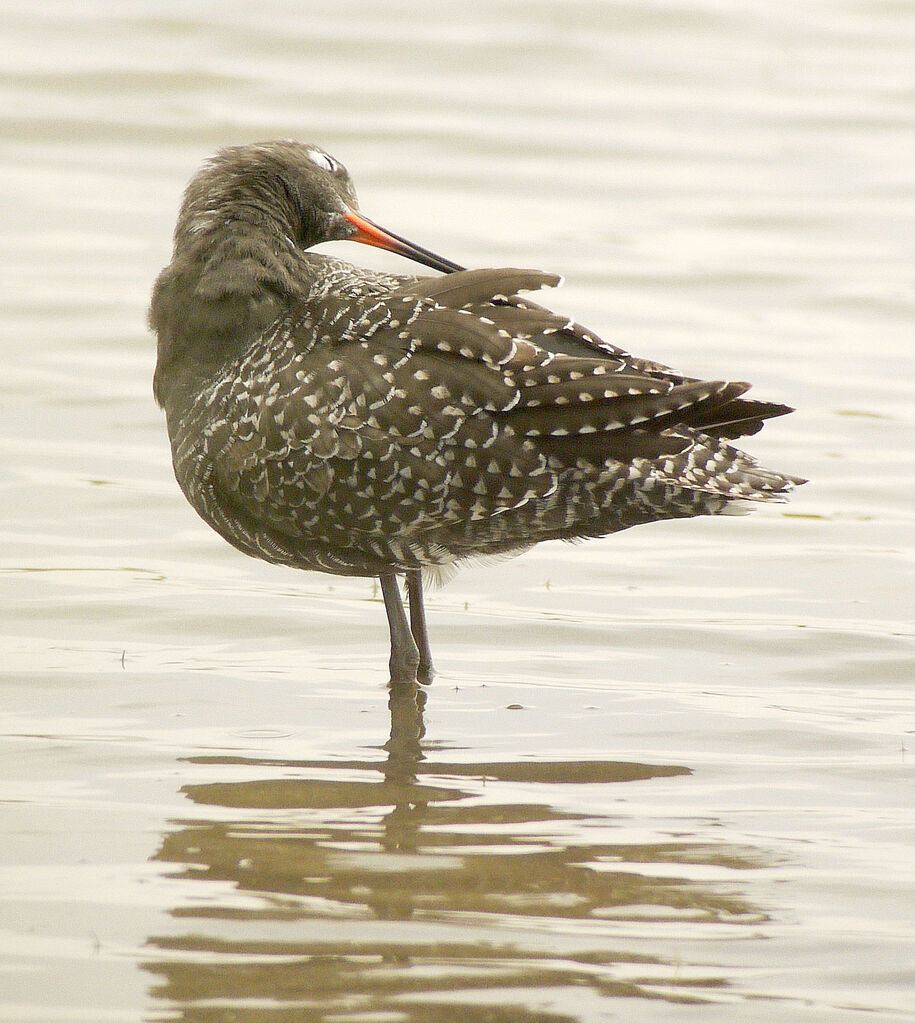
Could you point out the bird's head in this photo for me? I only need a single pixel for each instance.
(295, 190)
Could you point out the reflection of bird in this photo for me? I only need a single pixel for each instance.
(333, 418)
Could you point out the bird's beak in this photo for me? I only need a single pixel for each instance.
(371, 234)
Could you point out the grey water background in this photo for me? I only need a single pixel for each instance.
(667, 775)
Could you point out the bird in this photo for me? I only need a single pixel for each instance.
(365, 423)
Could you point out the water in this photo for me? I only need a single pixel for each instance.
(667, 775)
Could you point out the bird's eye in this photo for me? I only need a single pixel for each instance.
(324, 161)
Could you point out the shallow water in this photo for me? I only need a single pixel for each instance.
(666, 775)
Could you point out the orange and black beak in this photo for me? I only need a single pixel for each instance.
(371, 234)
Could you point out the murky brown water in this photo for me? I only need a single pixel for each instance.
(664, 776)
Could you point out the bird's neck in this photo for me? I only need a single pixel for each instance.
(223, 288)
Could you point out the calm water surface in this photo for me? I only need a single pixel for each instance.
(663, 776)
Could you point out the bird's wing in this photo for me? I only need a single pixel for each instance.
(448, 400)
(493, 293)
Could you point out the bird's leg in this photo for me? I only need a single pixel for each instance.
(418, 625)
(404, 654)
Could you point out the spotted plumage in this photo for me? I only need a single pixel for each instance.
(360, 423)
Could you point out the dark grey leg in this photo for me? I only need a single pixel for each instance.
(418, 625)
(404, 654)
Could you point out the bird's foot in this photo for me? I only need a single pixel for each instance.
(404, 671)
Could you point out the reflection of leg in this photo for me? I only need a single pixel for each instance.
(418, 625)
(406, 705)
(404, 655)
(403, 824)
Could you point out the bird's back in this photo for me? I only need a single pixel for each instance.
(386, 422)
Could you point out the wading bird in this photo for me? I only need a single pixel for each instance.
(345, 420)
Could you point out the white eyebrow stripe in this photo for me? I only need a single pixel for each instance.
(322, 159)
